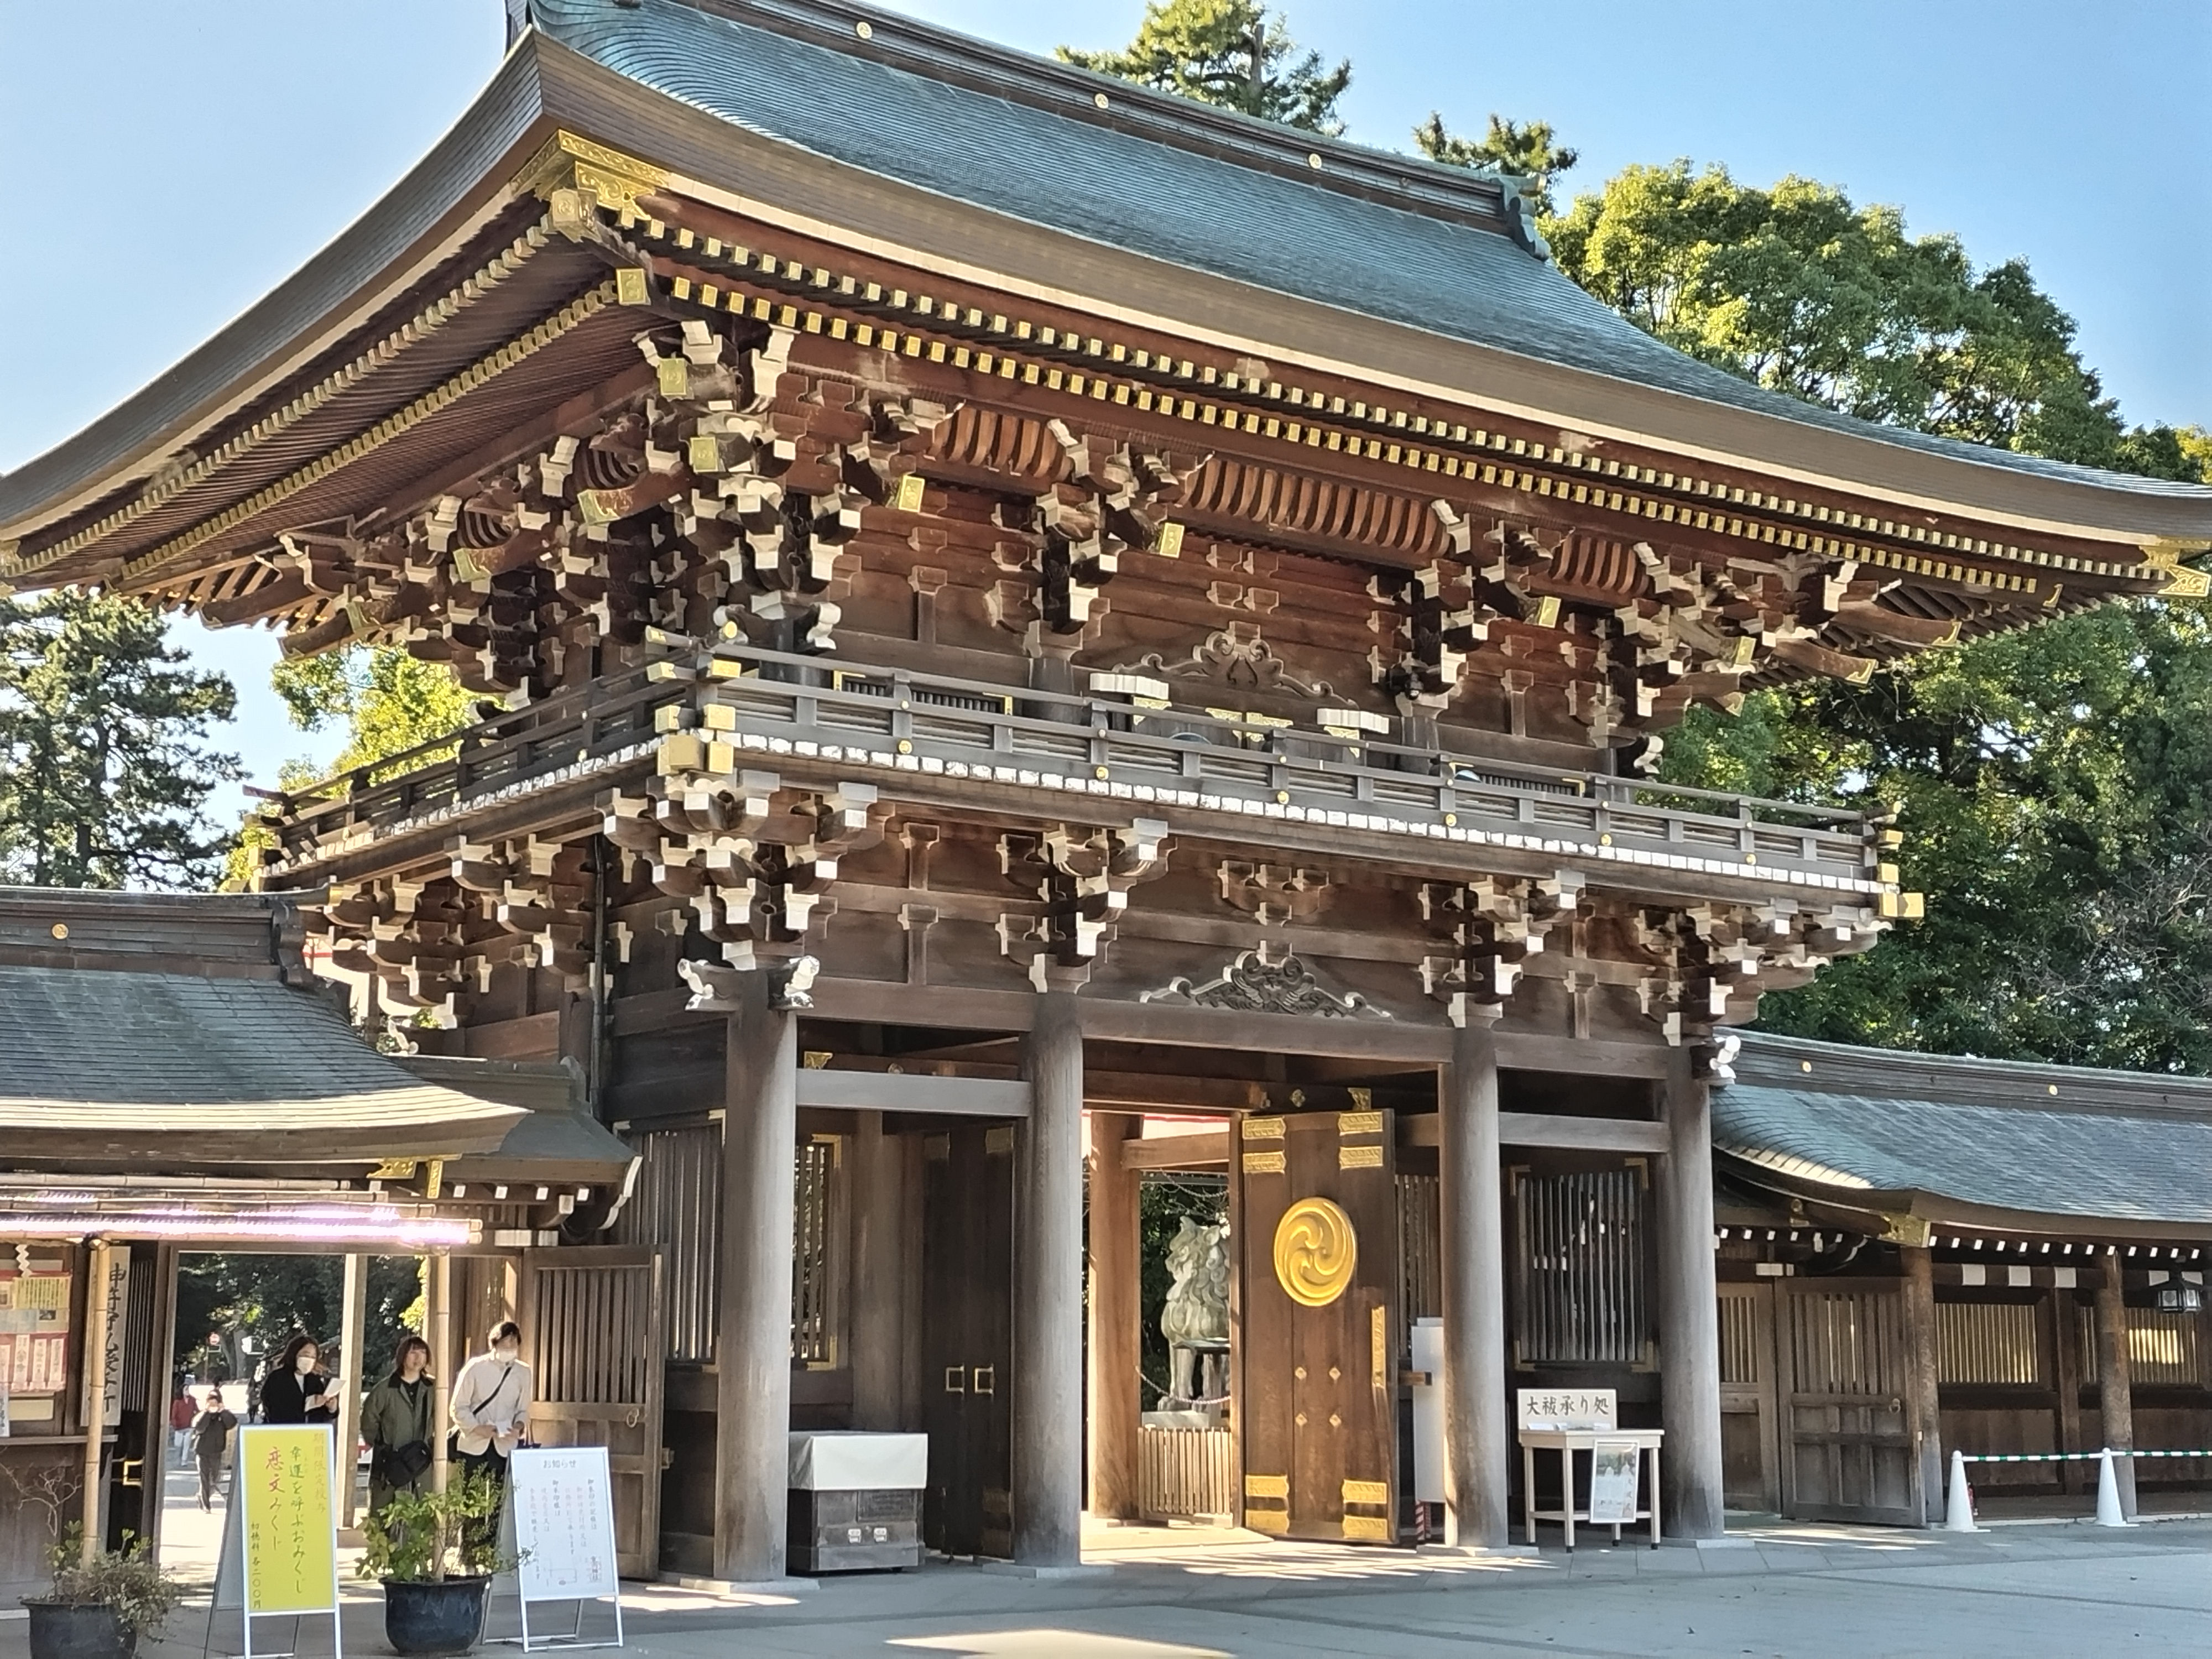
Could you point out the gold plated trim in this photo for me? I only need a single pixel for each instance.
(1360, 1123)
(570, 161)
(1366, 1491)
(1276, 1486)
(1366, 1529)
(1359, 1157)
(1263, 1163)
(1263, 1128)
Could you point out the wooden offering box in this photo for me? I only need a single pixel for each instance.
(856, 1501)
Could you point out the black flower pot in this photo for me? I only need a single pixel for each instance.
(425, 1618)
(77, 1630)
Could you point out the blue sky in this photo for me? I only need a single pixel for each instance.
(175, 158)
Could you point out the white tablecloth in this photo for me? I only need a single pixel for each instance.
(846, 1461)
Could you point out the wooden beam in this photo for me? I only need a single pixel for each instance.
(1165, 1091)
(1580, 1134)
(1208, 1149)
(905, 1092)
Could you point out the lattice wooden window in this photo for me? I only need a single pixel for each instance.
(817, 1260)
(1583, 1295)
(1987, 1342)
(1421, 1294)
(677, 1204)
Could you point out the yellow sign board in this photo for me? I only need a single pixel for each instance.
(283, 1489)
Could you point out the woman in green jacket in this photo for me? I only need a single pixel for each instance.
(396, 1422)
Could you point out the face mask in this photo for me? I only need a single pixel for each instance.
(506, 1351)
(304, 1364)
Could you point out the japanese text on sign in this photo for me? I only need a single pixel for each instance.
(291, 1552)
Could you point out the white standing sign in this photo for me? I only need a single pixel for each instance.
(559, 1515)
(1612, 1481)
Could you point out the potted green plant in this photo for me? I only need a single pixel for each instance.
(98, 1607)
(436, 1553)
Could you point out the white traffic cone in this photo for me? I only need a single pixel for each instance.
(2108, 1493)
(1959, 1506)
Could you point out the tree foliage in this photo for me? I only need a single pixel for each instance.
(106, 763)
(388, 701)
(267, 1297)
(2054, 782)
(1531, 151)
(1235, 53)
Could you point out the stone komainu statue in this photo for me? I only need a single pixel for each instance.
(1197, 1309)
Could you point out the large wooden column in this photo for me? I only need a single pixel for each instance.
(353, 1326)
(753, 1347)
(880, 1308)
(1689, 1310)
(1116, 1310)
(1921, 1375)
(1047, 1347)
(1473, 1272)
(2115, 1392)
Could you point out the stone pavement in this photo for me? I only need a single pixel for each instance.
(2014, 1592)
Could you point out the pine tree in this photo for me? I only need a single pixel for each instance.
(1231, 53)
(1531, 151)
(104, 765)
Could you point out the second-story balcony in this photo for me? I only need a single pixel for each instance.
(936, 742)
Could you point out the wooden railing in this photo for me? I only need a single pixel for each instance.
(1186, 1474)
(772, 705)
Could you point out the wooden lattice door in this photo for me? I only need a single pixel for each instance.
(1848, 1429)
(1317, 1213)
(592, 1325)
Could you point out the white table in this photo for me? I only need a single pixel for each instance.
(1567, 1442)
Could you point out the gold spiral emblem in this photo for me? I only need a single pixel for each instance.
(1315, 1251)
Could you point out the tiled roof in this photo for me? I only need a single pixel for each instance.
(924, 121)
(112, 1052)
(2037, 1138)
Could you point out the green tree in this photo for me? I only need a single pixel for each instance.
(388, 701)
(1235, 53)
(1799, 290)
(1532, 152)
(265, 1299)
(2053, 782)
(106, 766)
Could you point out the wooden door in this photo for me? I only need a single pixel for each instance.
(1848, 1429)
(967, 1337)
(1318, 1287)
(1751, 1456)
(592, 1319)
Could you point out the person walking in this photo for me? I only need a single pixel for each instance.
(210, 1443)
(491, 1409)
(396, 1420)
(293, 1390)
(181, 1413)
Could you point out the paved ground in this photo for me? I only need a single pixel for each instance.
(2015, 1593)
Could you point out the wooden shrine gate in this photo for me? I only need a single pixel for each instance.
(1316, 1226)
(967, 1337)
(591, 1318)
(1848, 1429)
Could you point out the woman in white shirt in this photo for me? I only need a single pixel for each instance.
(491, 1405)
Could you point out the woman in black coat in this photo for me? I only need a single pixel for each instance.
(293, 1390)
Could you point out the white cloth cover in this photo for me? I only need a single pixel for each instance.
(847, 1461)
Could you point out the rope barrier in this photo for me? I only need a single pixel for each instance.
(2068, 1457)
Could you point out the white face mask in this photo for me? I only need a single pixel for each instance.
(306, 1362)
(507, 1350)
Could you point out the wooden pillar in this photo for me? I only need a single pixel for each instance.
(2115, 1394)
(753, 1347)
(1048, 1346)
(2066, 1367)
(879, 1309)
(1689, 1310)
(95, 1393)
(1472, 1234)
(353, 1326)
(438, 1315)
(1921, 1375)
(1117, 1311)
